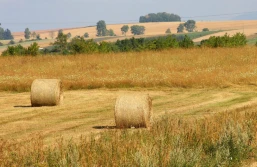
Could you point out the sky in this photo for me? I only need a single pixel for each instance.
(17, 15)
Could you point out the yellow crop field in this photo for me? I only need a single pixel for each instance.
(203, 100)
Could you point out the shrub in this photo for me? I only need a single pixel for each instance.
(14, 51)
(239, 39)
(33, 49)
(168, 31)
(12, 42)
(38, 37)
(107, 47)
(80, 45)
(1, 44)
(186, 42)
(205, 29)
(86, 35)
(110, 32)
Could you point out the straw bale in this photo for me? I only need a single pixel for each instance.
(133, 110)
(46, 92)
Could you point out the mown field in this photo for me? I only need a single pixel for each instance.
(204, 103)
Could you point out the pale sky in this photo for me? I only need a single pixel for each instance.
(50, 14)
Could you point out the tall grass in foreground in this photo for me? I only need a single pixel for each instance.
(227, 139)
(202, 67)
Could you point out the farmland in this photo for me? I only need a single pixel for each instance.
(152, 30)
(212, 89)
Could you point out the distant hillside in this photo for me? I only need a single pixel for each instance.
(247, 16)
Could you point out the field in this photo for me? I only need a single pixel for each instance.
(152, 29)
(207, 88)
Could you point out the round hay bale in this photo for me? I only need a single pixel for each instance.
(133, 110)
(46, 92)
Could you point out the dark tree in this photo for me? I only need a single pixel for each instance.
(180, 28)
(27, 33)
(205, 29)
(168, 31)
(86, 35)
(8, 34)
(38, 37)
(124, 29)
(61, 42)
(1, 33)
(190, 25)
(137, 30)
(159, 17)
(101, 28)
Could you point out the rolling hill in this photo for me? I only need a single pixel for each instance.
(248, 27)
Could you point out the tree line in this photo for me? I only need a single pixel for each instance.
(159, 17)
(103, 31)
(5, 34)
(79, 45)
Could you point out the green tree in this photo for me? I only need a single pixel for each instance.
(86, 35)
(27, 33)
(61, 42)
(124, 29)
(110, 32)
(137, 30)
(101, 28)
(77, 45)
(34, 35)
(190, 25)
(168, 31)
(69, 35)
(180, 28)
(33, 49)
(186, 42)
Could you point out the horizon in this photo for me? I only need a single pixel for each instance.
(63, 14)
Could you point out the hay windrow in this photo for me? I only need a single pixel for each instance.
(133, 110)
(46, 92)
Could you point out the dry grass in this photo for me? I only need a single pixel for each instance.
(192, 68)
(225, 139)
(87, 111)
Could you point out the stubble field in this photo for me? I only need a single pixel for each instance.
(185, 85)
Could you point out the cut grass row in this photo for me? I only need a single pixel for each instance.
(227, 139)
